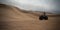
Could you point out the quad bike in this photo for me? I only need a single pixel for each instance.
(43, 17)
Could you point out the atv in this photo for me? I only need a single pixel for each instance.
(43, 17)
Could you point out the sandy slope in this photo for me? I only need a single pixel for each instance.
(13, 19)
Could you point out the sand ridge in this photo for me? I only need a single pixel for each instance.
(14, 19)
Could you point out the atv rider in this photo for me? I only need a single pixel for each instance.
(43, 17)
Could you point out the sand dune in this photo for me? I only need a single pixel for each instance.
(12, 18)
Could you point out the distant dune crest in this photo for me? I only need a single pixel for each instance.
(14, 11)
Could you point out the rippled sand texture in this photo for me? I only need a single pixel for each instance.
(12, 18)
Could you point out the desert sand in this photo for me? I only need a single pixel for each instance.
(12, 18)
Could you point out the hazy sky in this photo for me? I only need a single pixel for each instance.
(35, 5)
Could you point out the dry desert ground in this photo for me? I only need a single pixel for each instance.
(11, 18)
